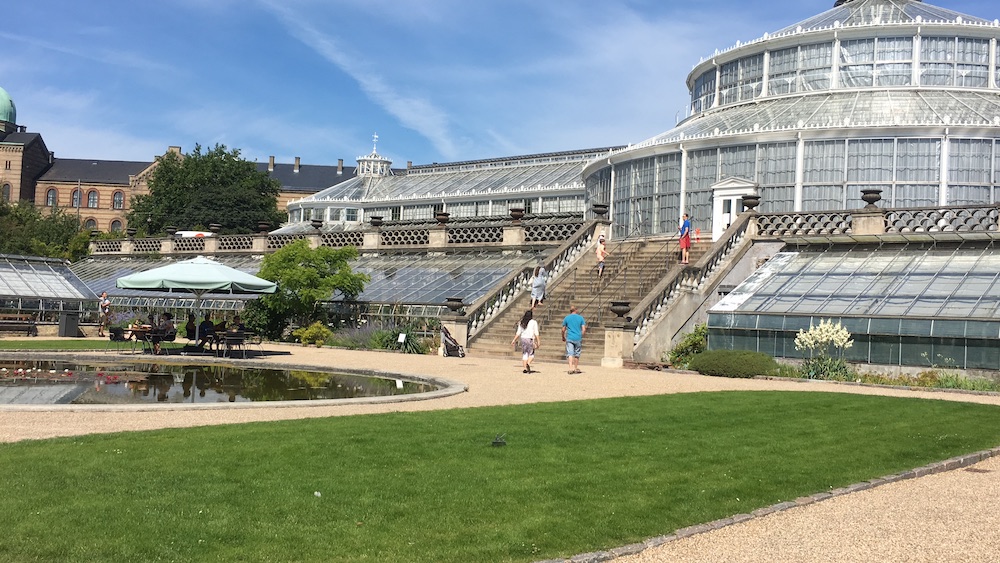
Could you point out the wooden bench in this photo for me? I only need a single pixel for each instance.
(10, 322)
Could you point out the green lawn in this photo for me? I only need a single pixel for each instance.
(574, 477)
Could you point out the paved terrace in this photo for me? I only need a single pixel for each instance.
(948, 516)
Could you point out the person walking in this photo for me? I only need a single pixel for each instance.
(538, 287)
(573, 328)
(685, 242)
(104, 307)
(527, 333)
(602, 253)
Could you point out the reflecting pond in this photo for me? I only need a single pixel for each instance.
(125, 383)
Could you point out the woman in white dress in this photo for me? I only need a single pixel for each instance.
(538, 287)
(527, 333)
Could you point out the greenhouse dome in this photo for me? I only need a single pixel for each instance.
(897, 95)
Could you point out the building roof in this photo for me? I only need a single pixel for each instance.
(93, 171)
(19, 138)
(310, 178)
(880, 12)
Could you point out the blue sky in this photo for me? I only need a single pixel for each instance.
(438, 80)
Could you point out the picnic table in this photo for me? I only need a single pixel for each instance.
(18, 322)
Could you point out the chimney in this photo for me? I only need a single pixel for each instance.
(52, 156)
(175, 150)
(270, 164)
(409, 164)
(340, 166)
(297, 161)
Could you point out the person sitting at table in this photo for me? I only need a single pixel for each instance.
(166, 325)
(237, 325)
(190, 327)
(206, 332)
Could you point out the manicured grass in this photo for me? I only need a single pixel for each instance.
(574, 477)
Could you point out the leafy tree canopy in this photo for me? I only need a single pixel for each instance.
(24, 230)
(200, 188)
(306, 277)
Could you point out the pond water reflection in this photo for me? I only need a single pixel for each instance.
(119, 383)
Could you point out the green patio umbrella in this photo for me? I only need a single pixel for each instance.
(197, 276)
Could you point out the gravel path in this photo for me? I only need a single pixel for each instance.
(950, 516)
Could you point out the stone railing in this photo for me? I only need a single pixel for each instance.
(500, 233)
(804, 224)
(657, 302)
(480, 313)
(957, 219)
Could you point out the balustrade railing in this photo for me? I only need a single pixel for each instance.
(804, 223)
(230, 243)
(485, 309)
(943, 219)
(109, 246)
(657, 302)
(189, 245)
(276, 242)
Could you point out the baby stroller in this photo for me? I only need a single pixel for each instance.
(451, 346)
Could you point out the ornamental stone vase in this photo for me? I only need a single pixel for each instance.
(517, 213)
(316, 224)
(750, 201)
(871, 196)
(454, 304)
(131, 231)
(442, 217)
(376, 220)
(215, 227)
(600, 209)
(263, 226)
(620, 307)
(171, 230)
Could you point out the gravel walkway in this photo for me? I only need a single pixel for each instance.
(949, 516)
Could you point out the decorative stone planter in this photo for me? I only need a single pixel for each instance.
(263, 226)
(215, 227)
(376, 220)
(95, 233)
(442, 217)
(871, 196)
(517, 213)
(316, 224)
(620, 307)
(454, 304)
(750, 201)
(131, 231)
(600, 209)
(171, 230)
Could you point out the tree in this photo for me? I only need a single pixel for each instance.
(24, 230)
(306, 277)
(197, 189)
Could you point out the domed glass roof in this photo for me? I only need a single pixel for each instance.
(879, 12)
(8, 112)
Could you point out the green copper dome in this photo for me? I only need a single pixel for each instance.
(8, 112)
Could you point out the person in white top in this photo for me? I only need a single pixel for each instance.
(527, 333)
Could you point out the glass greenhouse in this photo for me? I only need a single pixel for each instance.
(898, 95)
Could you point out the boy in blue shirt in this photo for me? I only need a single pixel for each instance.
(573, 329)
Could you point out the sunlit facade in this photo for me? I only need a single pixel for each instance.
(897, 95)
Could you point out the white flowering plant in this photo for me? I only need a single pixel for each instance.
(826, 343)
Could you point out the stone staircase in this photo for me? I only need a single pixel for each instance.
(631, 271)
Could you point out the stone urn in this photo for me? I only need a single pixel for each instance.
(620, 308)
(600, 209)
(454, 304)
(131, 231)
(750, 201)
(376, 220)
(871, 196)
(215, 227)
(316, 224)
(517, 213)
(263, 226)
(442, 217)
(171, 230)
(95, 233)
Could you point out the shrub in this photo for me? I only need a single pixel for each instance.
(825, 367)
(315, 333)
(691, 343)
(733, 363)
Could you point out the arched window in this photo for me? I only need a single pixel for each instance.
(116, 226)
(118, 200)
(6, 192)
(51, 197)
(76, 198)
(90, 225)
(92, 199)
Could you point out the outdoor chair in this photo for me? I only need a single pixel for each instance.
(232, 341)
(116, 336)
(154, 337)
(254, 339)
